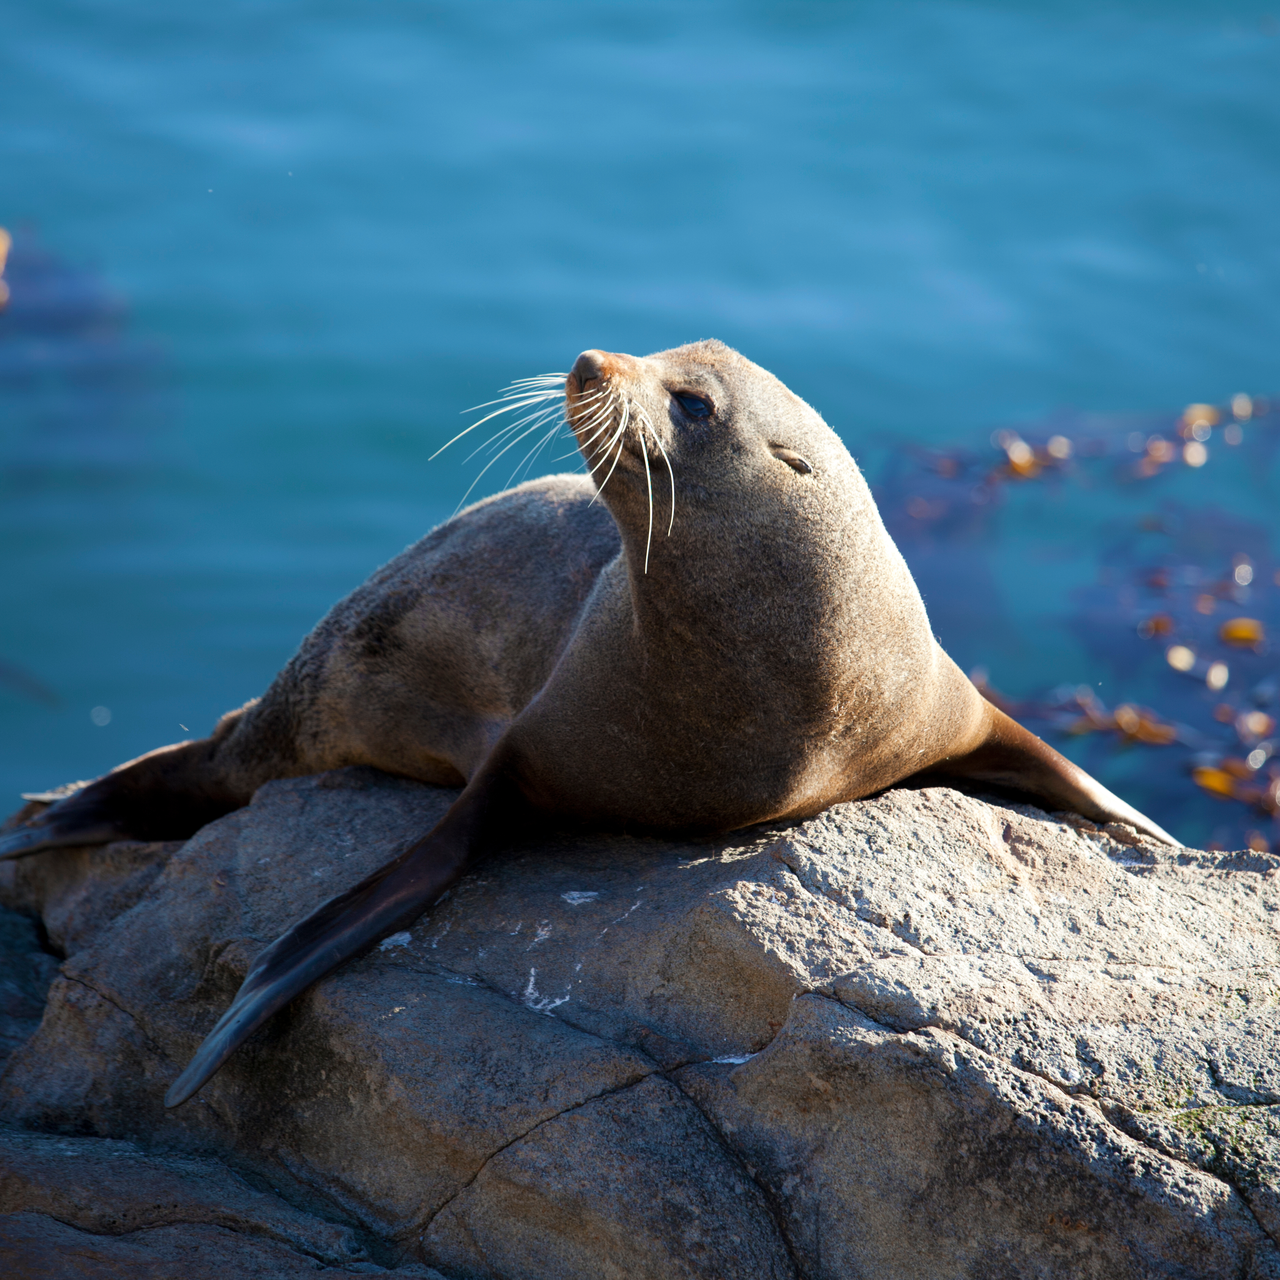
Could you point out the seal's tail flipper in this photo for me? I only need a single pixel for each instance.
(167, 794)
(1011, 756)
(390, 899)
(61, 825)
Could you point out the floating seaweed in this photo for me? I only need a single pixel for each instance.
(1178, 625)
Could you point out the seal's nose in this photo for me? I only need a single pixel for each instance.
(588, 366)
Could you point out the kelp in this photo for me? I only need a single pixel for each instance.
(1119, 575)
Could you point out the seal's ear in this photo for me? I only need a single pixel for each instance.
(792, 459)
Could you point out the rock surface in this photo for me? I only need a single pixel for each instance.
(919, 1036)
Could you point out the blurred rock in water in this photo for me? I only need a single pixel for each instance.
(76, 389)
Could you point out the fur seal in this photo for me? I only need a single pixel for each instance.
(712, 629)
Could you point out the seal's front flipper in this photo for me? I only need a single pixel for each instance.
(1011, 756)
(388, 900)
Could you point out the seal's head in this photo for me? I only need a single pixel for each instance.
(761, 589)
(694, 437)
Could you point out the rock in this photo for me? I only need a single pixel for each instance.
(89, 1206)
(919, 1036)
(33, 1247)
(25, 974)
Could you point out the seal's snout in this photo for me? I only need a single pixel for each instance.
(595, 366)
(589, 367)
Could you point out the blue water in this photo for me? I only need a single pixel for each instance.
(288, 242)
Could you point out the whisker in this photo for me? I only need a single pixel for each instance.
(513, 395)
(648, 479)
(532, 456)
(597, 424)
(538, 415)
(539, 402)
(541, 383)
(620, 436)
(521, 394)
(546, 440)
(487, 465)
(541, 380)
(596, 413)
(670, 472)
(614, 430)
(506, 408)
(594, 408)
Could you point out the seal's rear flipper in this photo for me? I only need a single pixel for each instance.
(168, 794)
(390, 899)
(84, 824)
(1013, 757)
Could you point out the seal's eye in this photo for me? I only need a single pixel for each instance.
(694, 406)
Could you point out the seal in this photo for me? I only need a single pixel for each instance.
(711, 629)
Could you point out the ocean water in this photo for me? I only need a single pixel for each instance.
(266, 254)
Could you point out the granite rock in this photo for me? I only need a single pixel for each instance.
(924, 1035)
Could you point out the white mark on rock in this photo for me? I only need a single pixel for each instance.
(401, 939)
(544, 932)
(447, 927)
(517, 929)
(627, 912)
(531, 998)
(735, 1061)
(576, 897)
